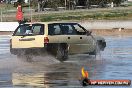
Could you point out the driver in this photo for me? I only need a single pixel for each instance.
(29, 30)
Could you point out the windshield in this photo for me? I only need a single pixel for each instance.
(27, 29)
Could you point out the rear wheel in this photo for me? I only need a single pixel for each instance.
(62, 52)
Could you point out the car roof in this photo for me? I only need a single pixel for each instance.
(47, 22)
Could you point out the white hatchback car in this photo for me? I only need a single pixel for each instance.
(59, 39)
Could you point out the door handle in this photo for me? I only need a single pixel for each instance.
(80, 37)
(68, 37)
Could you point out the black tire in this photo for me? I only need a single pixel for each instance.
(101, 45)
(93, 53)
(61, 52)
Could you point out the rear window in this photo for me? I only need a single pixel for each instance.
(26, 29)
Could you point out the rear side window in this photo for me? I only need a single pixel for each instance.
(54, 29)
(57, 29)
(26, 29)
(65, 29)
(38, 29)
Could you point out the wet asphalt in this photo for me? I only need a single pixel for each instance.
(46, 72)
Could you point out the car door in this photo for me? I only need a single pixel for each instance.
(69, 33)
(60, 33)
(28, 36)
(80, 41)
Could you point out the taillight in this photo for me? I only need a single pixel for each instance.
(46, 40)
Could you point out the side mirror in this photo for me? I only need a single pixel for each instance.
(89, 33)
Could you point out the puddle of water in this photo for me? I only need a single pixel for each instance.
(45, 72)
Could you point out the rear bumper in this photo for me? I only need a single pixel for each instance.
(33, 51)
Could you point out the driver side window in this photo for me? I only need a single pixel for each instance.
(79, 30)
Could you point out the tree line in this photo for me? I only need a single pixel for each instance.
(70, 4)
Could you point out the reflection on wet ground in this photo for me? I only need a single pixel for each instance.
(46, 72)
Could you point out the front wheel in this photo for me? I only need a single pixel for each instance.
(62, 52)
(96, 50)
